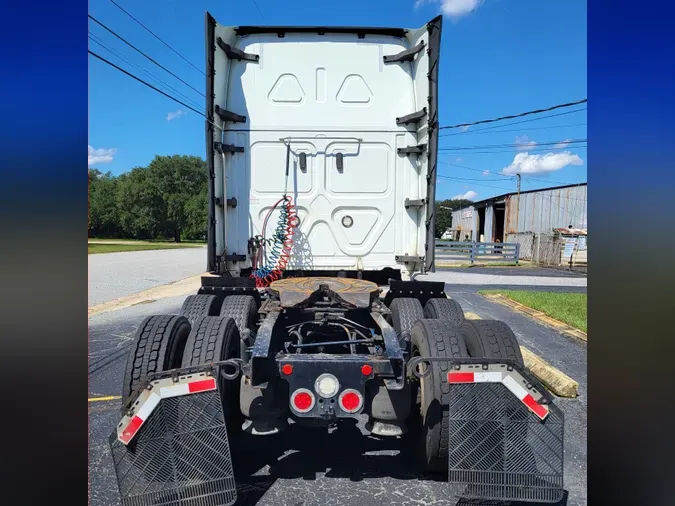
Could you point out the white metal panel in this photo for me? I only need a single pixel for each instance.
(489, 221)
(309, 87)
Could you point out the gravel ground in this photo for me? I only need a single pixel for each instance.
(113, 275)
(345, 467)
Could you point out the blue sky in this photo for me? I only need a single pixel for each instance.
(498, 57)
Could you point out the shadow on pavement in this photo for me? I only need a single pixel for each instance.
(301, 453)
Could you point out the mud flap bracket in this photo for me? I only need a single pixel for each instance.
(171, 447)
(505, 436)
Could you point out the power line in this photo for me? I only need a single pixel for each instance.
(480, 132)
(147, 84)
(146, 72)
(141, 52)
(518, 122)
(156, 36)
(477, 179)
(477, 184)
(532, 150)
(503, 175)
(516, 145)
(527, 113)
(258, 8)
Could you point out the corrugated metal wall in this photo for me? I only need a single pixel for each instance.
(542, 211)
(465, 222)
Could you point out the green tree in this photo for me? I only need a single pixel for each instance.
(180, 179)
(443, 211)
(103, 212)
(142, 212)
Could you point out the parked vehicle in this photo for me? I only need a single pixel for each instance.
(322, 146)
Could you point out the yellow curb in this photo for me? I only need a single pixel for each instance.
(107, 398)
(539, 316)
(181, 287)
(554, 379)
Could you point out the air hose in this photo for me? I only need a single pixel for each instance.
(280, 244)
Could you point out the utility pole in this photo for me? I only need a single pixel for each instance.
(518, 203)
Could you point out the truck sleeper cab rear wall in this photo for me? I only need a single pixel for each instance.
(339, 96)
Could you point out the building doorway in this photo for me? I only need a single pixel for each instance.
(500, 212)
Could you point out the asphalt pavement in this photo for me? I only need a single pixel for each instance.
(346, 467)
(113, 275)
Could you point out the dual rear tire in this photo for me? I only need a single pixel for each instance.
(444, 339)
(205, 331)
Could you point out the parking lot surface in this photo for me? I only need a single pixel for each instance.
(312, 467)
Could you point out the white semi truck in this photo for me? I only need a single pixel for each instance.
(322, 154)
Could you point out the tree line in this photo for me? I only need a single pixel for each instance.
(168, 200)
(443, 212)
(165, 200)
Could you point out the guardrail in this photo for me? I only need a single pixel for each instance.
(477, 251)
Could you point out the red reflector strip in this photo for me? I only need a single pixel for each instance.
(131, 429)
(497, 377)
(535, 407)
(460, 377)
(202, 386)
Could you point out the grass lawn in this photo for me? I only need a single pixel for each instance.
(570, 308)
(114, 246)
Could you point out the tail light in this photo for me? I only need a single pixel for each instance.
(302, 400)
(350, 400)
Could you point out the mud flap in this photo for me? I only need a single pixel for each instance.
(172, 448)
(505, 437)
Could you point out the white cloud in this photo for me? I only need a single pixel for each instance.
(524, 143)
(562, 144)
(470, 195)
(100, 155)
(454, 9)
(458, 8)
(175, 115)
(465, 128)
(486, 172)
(524, 163)
(459, 159)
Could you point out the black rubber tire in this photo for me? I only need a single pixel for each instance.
(405, 311)
(436, 339)
(243, 309)
(491, 339)
(196, 306)
(444, 309)
(215, 338)
(157, 346)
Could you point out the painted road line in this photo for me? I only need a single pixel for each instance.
(555, 380)
(539, 316)
(102, 399)
(183, 287)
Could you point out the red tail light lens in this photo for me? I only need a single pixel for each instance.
(302, 400)
(366, 369)
(350, 401)
(287, 369)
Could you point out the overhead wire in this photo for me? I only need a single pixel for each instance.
(258, 8)
(524, 177)
(146, 72)
(481, 132)
(156, 36)
(512, 116)
(141, 52)
(566, 142)
(528, 150)
(530, 120)
(146, 83)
